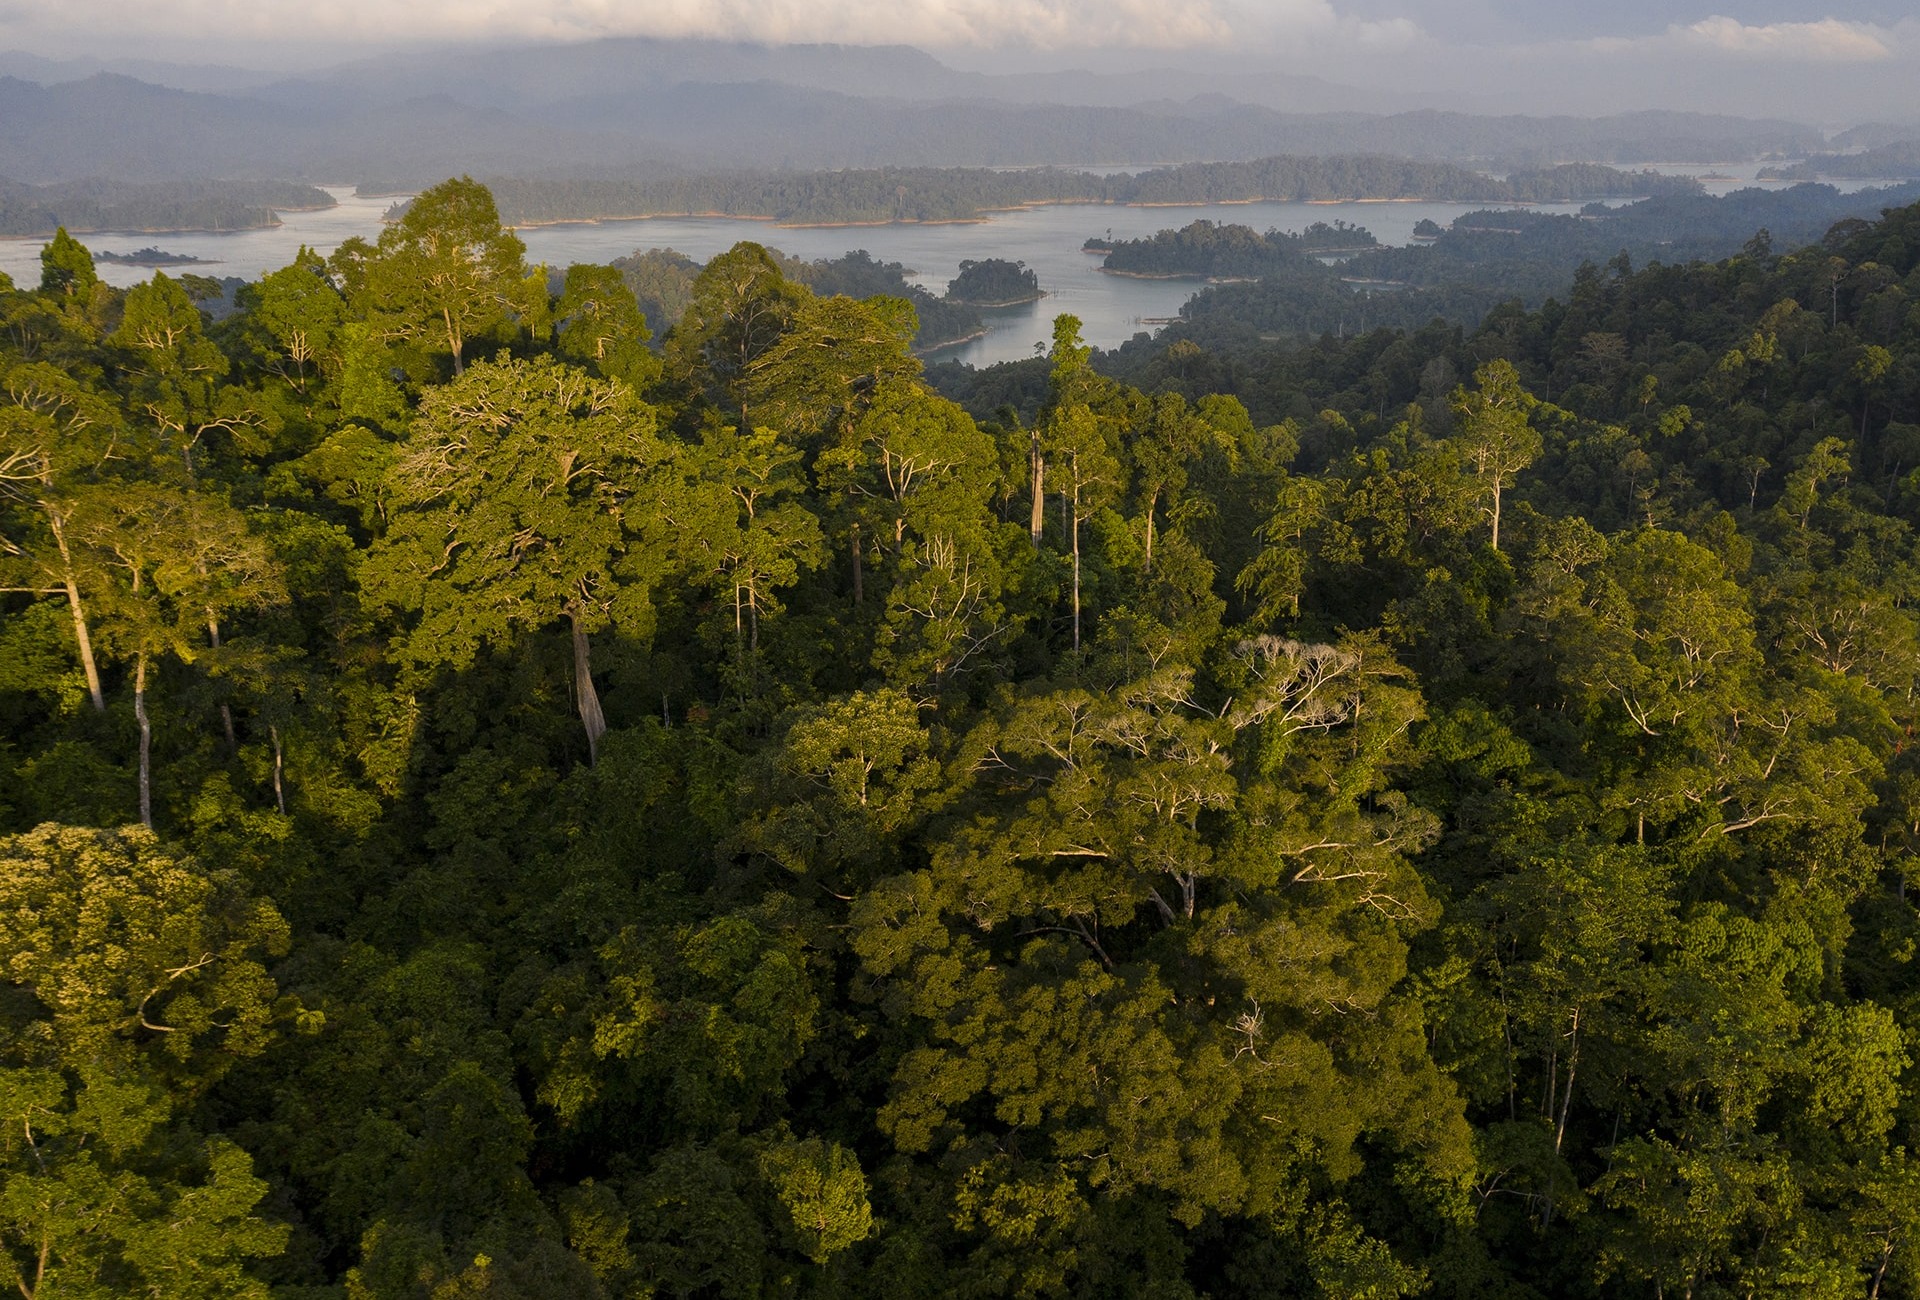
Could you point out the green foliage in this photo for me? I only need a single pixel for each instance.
(136, 981)
(446, 275)
(66, 267)
(1415, 814)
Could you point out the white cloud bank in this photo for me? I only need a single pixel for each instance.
(1222, 25)
(1051, 24)
(1829, 40)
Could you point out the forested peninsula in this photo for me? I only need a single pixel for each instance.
(99, 205)
(1896, 160)
(1279, 284)
(505, 798)
(889, 194)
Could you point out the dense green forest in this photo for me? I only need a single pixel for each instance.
(885, 194)
(93, 205)
(492, 809)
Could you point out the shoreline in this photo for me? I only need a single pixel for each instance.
(165, 230)
(1154, 275)
(1193, 277)
(775, 222)
(990, 306)
(986, 215)
(974, 337)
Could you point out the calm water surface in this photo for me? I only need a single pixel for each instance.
(1111, 308)
(248, 254)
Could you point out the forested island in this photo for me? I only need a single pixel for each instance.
(994, 282)
(1211, 250)
(148, 256)
(89, 206)
(490, 807)
(914, 194)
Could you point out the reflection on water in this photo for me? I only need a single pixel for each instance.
(1111, 309)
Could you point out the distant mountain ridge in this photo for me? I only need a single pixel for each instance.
(633, 108)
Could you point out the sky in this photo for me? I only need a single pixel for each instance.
(1822, 59)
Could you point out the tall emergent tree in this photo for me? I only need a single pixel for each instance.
(512, 510)
(446, 276)
(1495, 435)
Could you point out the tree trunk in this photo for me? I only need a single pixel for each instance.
(1076, 563)
(1039, 490)
(1573, 1065)
(859, 574)
(1152, 501)
(279, 759)
(80, 635)
(454, 341)
(590, 715)
(146, 740)
(1496, 514)
(226, 713)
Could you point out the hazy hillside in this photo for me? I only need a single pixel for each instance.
(627, 107)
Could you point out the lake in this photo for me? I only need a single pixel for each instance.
(1111, 308)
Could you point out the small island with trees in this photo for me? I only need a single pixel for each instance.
(1342, 237)
(1212, 250)
(149, 256)
(994, 282)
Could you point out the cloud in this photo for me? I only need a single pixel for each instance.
(1385, 34)
(1051, 24)
(1830, 40)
